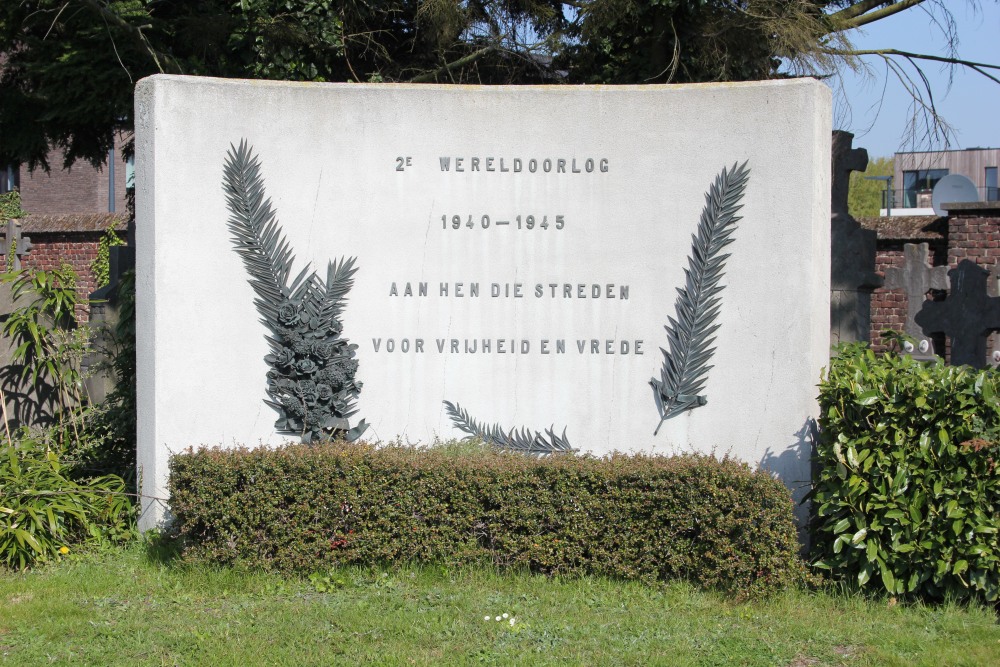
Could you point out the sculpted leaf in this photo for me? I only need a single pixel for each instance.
(311, 382)
(691, 333)
(523, 441)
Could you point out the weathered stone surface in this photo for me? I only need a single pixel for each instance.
(967, 316)
(916, 278)
(852, 255)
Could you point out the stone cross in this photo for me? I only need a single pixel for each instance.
(845, 160)
(852, 253)
(916, 278)
(22, 245)
(967, 316)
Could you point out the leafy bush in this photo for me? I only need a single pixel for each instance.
(304, 508)
(907, 490)
(48, 345)
(43, 511)
(10, 206)
(100, 268)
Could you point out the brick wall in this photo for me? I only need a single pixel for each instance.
(80, 189)
(888, 306)
(972, 234)
(77, 249)
(975, 236)
(68, 239)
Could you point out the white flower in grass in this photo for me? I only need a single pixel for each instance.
(512, 619)
(498, 618)
(486, 618)
(506, 615)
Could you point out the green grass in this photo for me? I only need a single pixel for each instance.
(123, 607)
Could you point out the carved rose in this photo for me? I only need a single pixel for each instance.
(324, 392)
(306, 366)
(288, 314)
(282, 358)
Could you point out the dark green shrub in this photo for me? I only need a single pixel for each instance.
(906, 491)
(43, 511)
(303, 509)
(48, 346)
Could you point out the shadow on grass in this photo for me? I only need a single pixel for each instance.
(164, 549)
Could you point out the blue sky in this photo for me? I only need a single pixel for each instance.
(971, 106)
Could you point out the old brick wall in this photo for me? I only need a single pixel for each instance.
(73, 240)
(889, 306)
(975, 235)
(79, 189)
(972, 234)
(76, 249)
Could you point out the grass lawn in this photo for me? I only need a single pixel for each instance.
(122, 607)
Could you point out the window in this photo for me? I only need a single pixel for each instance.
(130, 173)
(992, 192)
(10, 178)
(918, 181)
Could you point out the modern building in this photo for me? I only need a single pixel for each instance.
(916, 175)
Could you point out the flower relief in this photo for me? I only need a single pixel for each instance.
(311, 383)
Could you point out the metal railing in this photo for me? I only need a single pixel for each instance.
(904, 199)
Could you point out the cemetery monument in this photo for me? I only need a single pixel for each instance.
(551, 268)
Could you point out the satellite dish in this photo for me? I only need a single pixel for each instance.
(953, 188)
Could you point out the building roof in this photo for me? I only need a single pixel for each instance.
(973, 208)
(35, 223)
(907, 227)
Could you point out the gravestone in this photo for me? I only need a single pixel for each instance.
(506, 261)
(852, 256)
(967, 316)
(916, 278)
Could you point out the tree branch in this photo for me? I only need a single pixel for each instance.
(427, 77)
(854, 10)
(978, 67)
(858, 14)
(134, 31)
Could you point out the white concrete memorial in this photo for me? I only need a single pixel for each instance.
(518, 255)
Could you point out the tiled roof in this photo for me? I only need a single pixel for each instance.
(35, 223)
(907, 227)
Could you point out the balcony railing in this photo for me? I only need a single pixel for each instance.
(904, 199)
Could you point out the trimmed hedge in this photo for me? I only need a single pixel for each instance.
(907, 490)
(303, 508)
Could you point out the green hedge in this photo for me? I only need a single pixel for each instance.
(304, 508)
(907, 491)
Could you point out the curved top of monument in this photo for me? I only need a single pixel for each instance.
(452, 87)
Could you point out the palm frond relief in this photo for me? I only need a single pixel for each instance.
(523, 441)
(311, 383)
(691, 333)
